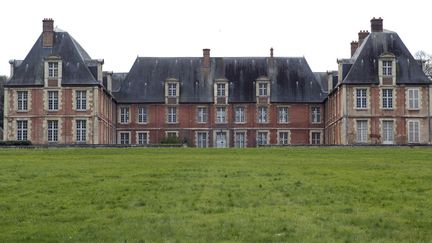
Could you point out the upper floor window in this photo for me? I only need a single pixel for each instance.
(387, 99)
(413, 99)
(124, 114)
(142, 115)
(172, 89)
(283, 114)
(22, 131)
(316, 114)
(53, 69)
(53, 100)
(22, 100)
(239, 114)
(202, 114)
(387, 68)
(262, 89)
(172, 115)
(81, 100)
(220, 90)
(262, 114)
(52, 131)
(221, 115)
(81, 129)
(361, 98)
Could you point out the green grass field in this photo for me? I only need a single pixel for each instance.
(193, 195)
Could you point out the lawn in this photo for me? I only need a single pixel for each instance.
(208, 195)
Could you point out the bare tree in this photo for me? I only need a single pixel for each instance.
(426, 60)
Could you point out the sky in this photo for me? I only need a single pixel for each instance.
(119, 31)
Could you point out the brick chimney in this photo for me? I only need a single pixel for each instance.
(48, 33)
(377, 25)
(354, 46)
(206, 58)
(271, 52)
(361, 36)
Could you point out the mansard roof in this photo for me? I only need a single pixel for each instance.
(76, 63)
(362, 68)
(291, 79)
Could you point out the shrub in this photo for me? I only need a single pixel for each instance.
(15, 143)
(171, 140)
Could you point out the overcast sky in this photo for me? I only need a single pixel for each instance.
(119, 31)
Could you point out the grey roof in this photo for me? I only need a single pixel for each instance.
(74, 58)
(322, 79)
(291, 79)
(363, 66)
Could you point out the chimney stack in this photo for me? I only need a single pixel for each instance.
(377, 25)
(206, 58)
(271, 52)
(361, 36)
(48, 33)
(354, 46)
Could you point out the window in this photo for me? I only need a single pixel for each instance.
(361, 98)
(413, 131)
(262, 89)
(262, 138)
(53, 100)
(22, 100)
(387, 127)
(221, 115)
(220, 89)
(201, 114)
(283, 138)
(316, 138)
(262, 114)
(387, 68)
(52, 69)
(413, 99)
(22, 127)
(316, 114)
(172, 89)
(283, 114)
(172, 115)
(52, 130)
(143, 138)
(202, 139)
(172, 134)
(124, 114)
(240, 139)
(124, 138)
(239, 114)
(142, 115)
(81, 128)
(81, 100)
(387, 99)
(362, 131)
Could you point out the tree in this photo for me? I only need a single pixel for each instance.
(427, 62)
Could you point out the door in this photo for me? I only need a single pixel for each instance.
(221, 140)
(388, 136)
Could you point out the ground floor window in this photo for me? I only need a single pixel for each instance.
(52, 131)
(81, 127)
(362, 131)
(201, 139)
(22, 127)
(143, 138)
(262, 138)
(316, 138)
(387, 131)
(240, 139)
(124, 138)
(284, 138)
(413, 131)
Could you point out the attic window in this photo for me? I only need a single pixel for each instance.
(387, 68)
(52, 69)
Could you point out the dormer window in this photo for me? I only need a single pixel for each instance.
(53, 70)
(387, 68)
(221, 89)
(172, 89)
(262, 89)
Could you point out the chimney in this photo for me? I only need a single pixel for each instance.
(206, 58)
(354, 46)
(48, 33)
(377, 25)
(361, 36)
(271, 52)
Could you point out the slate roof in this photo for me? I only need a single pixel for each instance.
(291, 79)
(362, 68)
(75, 63)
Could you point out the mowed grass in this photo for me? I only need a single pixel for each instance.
(230, 195)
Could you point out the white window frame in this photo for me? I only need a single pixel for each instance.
(53, 100)
(282, 140)
(142, 115)
(413, 131)
(172, 89)
(361, 98)
(123, 139)
(314, 140)
(385, 131)
(81, 130)
(260, 135)
(52, 131)
(200, 143)
(140, 140)
(22, 130)
(124, 114)
(221, 89)
(53, 69)
(316, 114)
(22, 100)
(239, 114)
(262, 89)
(413, 102)
(283, 114)
(263, 114)
(81, 100)
(387, 100)
(361, 131)
(239, 141)
(202, 114)
(387, 68)
(221, 114)
(172, 115)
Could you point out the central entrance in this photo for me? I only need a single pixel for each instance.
(221, 140)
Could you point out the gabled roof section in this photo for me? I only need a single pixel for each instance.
(74, 58)
(291, 79)
(364, 69)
